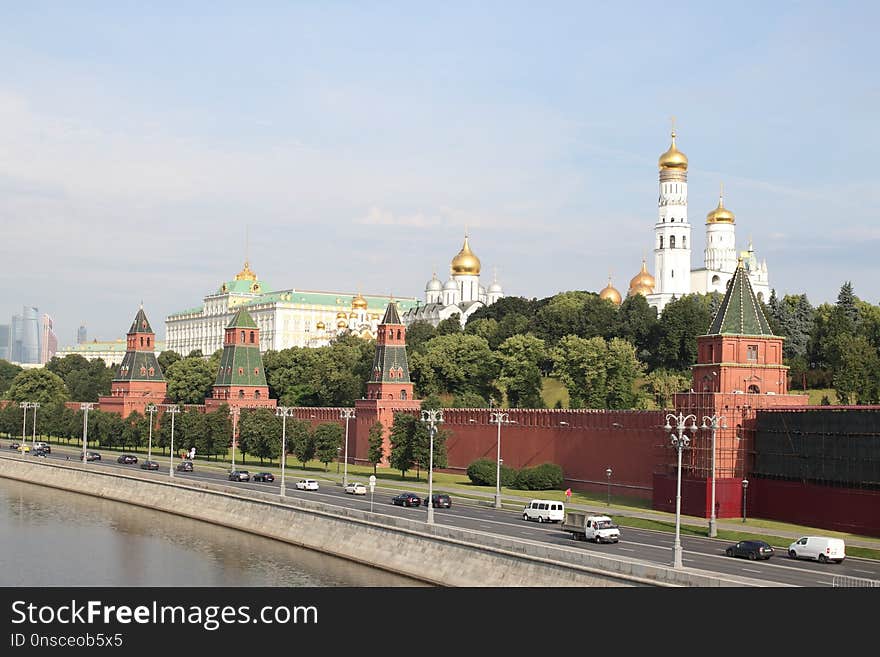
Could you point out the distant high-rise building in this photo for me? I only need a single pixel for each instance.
(5, 341)
(81, 335)
(48, 341)
(25, 341)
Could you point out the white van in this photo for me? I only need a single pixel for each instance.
(820, 548)
(544, 511)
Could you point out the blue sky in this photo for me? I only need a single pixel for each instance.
(355, 141)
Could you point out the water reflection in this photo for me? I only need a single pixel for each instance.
(56, 538)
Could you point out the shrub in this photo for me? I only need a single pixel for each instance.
(482, 473)
(541, 477)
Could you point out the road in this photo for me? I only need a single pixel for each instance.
(639, 544)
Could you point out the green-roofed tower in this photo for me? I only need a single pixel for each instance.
(241, 379)
(740, 312)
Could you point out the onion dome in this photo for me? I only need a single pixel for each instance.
(320, 326)
(352, 315)
(720, 215)
(341, 315)
(642, 283)
(466, 263)
(374, 316)
(341, 324)
(246, 274)
(495, 288)
(359, 303)
(434, 285)
(610, 292)
(673, 158)
(450, 285)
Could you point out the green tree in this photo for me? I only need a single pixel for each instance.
(259, 433)
(857, 376)
(663, 384)
(189, 381)
(598, 373)
(681, 322)
(218, 433)
(520, 374)
(450, 326)
(403, 449)
(303, 441)
(8, 372)
(417, 334)
(167, 358)
(11, 420)
(421, 441)
(375, 451)
(328, 440)
(623, 369)
(455, 364)
(131, 431)
(468, 399)
(37, 385)
(637, 322)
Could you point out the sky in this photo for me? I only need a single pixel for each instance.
(355, 142)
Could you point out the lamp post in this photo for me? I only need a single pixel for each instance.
(24, 406)
(35, 406)
(151, 409)
(85, 407)
(433, 418)
(347, 414)
(745, 488)
(608, 472)
(498, 418)
(174, 409)
(284, 412)
(234, 413)
(679, 441)
(338, 459)
(711, 422)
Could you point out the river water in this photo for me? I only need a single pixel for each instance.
(51, 537)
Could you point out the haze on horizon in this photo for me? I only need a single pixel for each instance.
(356, 141)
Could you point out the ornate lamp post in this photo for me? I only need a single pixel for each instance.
(711, 422)
(174, 409)
(85, 407)
(679, 441)
(433, 418)
(284, 412)
(233, 411)
(745, 488)
(498, 418)
(347, 414)
(24, 406)
(151, 409)
(35, 406)
(608, 473)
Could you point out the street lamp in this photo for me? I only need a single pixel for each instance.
(284, 412)
(85, 407)
(711, 422)
(608, 472)
(498, 418)
(35, 406)
(174, 409)
(24, 406)
(347, 414)
(745, 487)
(433, 418)
(151, 409)
(338, 459)
(679, 441)
(234, 413)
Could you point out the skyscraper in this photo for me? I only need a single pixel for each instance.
(5, 341)
(48, 341)
(26, 336)
(81, 335)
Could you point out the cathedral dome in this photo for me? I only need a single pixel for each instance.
(643, 282)
(495, 288)
(720, 215)
(434, 285)
(450, 285)
(341, 315)
(341, 324)
(466, 263)
(320, 326)
(610, 292)
(673, 158)
(359, 303)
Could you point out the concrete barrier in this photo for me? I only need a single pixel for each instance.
(436, 554)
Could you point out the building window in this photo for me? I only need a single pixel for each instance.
(661, 241)
(241, 370)
(672, 241)
(148, 342)
(143, 371)
(152, 371)
(684, 241)
(398, 334)
(241, 394)
(752, 352)
(256, 394)
(142, 341)
(257, 371)
(252, 337)
(754, 390)
(242, 337)
(403, 394)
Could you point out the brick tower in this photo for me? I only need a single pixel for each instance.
(139, 380)
(241, 380)
(739, 371)
(389, 389)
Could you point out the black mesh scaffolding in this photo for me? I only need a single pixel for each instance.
(836, 446)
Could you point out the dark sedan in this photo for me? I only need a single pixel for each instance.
(263, 476)
(406, 499)
(239, 475)
(149, 465)
(91, 456)
(127, 458)
(750, 550)
(185, 466)
(439, 500)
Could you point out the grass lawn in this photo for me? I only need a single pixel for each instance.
(553, 391)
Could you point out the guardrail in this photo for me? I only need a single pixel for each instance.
(848, 581)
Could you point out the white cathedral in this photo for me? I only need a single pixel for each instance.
(673, 275)
(461, 293)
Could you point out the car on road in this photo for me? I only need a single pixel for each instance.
(149, 465)
(42, 453)
(263, 476)
(544, 511)
(127, 458)
(91, 456)
(750, 550)
(23, 448)
(307, 484)
(439, 500)
(239, 475)
(185, 466)
(355, 488)
(44, 446)
(820, 548)
(406, 499)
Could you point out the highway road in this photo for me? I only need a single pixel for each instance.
(638, 544)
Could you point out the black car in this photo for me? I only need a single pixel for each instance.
(44, 446)
(406, 499)
(15, 446)
(263, 476)
(439, 500)
(127, 458)
(750, 550)
(239, 475)
(39, 451)
(185, 466)
(91, 456)
(149, 465)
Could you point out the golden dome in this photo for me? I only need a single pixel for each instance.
(341, 324)
(673, 158)
(610, 292)
(320, 326)
(359, 303)
(720, 215)
(352, 315)
(341, 315)
(246, 274)
(643, 282)
(466, 263)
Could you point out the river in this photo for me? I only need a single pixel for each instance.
(51, 537)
